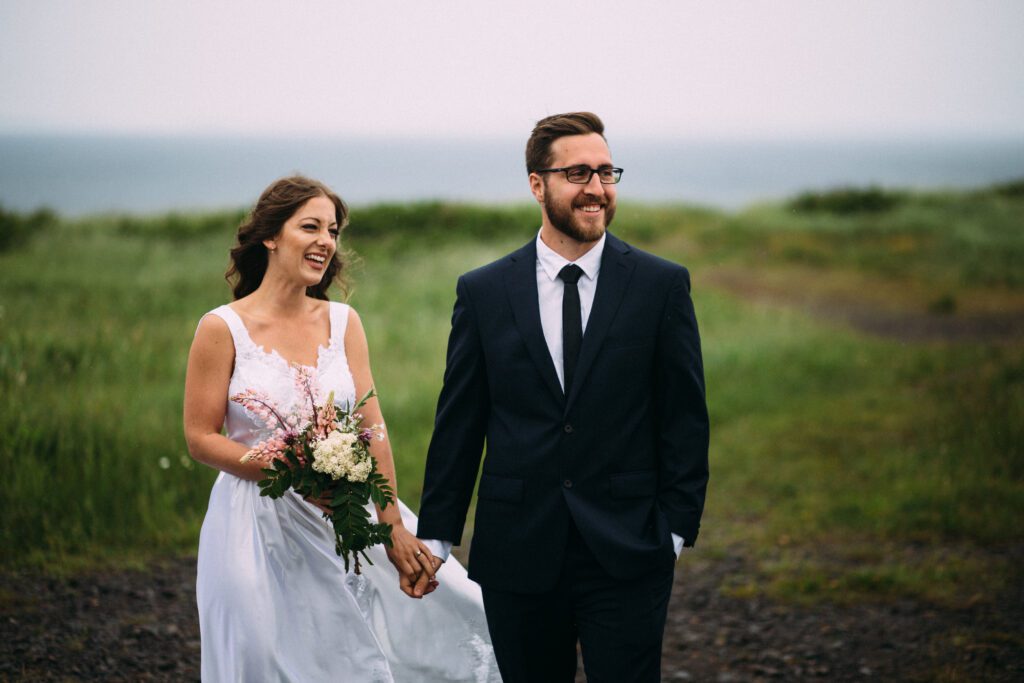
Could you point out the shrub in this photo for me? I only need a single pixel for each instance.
(439, 221)
(848, 201)
(1012, 189)
(17, 229)
(179, 226)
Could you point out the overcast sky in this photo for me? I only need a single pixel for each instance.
(719, 68)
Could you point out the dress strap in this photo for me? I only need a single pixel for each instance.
(239, 335)
(339, 322)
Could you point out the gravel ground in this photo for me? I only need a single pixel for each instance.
(142, 626)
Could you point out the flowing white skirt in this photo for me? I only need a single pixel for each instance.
(275, 603)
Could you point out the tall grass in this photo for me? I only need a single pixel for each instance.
(954, 239)
(822, 438)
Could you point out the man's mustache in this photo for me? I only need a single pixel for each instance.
(589, 199)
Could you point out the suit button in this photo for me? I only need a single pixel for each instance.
(568, 428)
(567, 483)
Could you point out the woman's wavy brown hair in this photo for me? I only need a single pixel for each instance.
(277, 204)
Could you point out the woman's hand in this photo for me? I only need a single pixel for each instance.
(323, 503)
(413, 561)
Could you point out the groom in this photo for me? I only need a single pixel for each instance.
(576, 359)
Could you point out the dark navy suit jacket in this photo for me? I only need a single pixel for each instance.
(624, 452)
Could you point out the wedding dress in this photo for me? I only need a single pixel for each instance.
(275, 601)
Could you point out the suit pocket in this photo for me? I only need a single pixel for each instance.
(633, 484)
(504, 489)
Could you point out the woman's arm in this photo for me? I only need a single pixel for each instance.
(408, 553)
(210, 362)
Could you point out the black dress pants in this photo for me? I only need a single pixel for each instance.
(619, 624)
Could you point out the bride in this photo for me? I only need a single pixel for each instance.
(275, 601)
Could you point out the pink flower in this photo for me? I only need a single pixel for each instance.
(259, 405)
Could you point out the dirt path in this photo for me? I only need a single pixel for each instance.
(141, 626)
(894, 309)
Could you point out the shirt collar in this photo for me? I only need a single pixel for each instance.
(552, 262)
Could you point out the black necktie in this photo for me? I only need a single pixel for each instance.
(572, 322)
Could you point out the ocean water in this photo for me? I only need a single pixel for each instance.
(77, 174)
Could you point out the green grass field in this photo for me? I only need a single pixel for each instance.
(848, 466)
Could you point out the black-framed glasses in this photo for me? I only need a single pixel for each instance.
(581, 175)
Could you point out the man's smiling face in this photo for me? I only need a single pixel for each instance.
(582, 212)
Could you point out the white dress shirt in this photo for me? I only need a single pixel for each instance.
(549, 293)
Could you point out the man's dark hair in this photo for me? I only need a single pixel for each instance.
(547, 130)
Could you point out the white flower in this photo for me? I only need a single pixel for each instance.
(340, 456)
(360, 471)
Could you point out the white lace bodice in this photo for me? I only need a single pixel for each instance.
(269, 373)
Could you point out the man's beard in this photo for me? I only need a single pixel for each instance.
(562, 218)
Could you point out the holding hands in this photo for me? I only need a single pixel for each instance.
(417, 567)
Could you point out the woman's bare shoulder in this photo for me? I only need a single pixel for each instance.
(212, 332)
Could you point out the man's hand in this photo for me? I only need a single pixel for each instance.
(425, 583)
(418, 585)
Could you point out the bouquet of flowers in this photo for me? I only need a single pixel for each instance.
(323, 454)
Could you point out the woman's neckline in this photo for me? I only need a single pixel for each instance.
(274, 353)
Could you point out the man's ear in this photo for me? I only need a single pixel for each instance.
(537, 187)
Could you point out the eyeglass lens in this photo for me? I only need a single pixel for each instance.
(582, 175)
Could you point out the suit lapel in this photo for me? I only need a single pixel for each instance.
(521, 284)
(612, 281)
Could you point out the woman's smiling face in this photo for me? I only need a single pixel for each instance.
(306, 243)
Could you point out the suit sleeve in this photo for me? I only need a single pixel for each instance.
(681, 408)
(460, 425)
